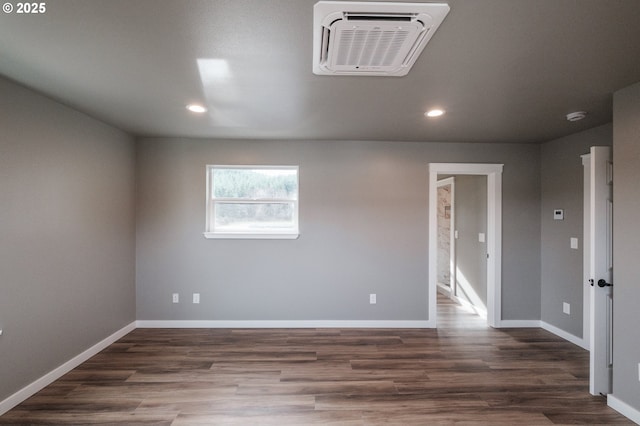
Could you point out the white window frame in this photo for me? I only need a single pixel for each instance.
(211, 202)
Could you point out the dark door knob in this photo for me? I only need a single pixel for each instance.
(603, 283)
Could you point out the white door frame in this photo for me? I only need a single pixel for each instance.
(586, 255)
(452, 241)
(494, 234)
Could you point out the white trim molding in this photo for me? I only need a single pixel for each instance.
(545, 326)
(55, 374)
(623, 408)
(283, 324)
(494, 233)
(248, 236)
(566, 336)
(520, 324)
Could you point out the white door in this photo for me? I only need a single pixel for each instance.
(601, 270)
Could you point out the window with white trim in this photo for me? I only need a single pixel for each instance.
(252, 202)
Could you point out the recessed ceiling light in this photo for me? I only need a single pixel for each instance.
(576, 116)
(196, 108)
(434, 113)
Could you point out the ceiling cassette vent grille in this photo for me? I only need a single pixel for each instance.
(371, 38)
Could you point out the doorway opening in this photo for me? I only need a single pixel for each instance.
(493, 237)
(447, 237)
(462, 254)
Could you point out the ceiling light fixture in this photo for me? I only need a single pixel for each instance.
(576, 116)
(434, 113)
(199, 109)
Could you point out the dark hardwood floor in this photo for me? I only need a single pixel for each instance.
(463, 373)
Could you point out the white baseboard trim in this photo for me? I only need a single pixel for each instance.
(545, 326)
(566, 336)
(284, 324)
(55, 374)
(518, 324)
(623, 408)
(444, 289)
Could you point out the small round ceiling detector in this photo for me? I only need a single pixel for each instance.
(434, 113)
(576, 116)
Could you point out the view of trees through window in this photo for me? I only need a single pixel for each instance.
(254, 199)
(255, 184)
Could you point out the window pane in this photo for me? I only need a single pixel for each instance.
(254, 217)
(255, 184)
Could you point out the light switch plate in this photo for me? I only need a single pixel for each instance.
(481, 237)
(372, 299)
(566, 308)
(574, 243)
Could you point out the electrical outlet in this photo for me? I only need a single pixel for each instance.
(566, 308)
(0, 332)
(372, 299)
(196, 297)
(175, 298)
(638, 369)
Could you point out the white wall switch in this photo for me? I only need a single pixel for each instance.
(574, 243)
(481, 237)
(175, 298)
(372, 299)
(455, 234)
(196, 297)
(1, 334)
(558, 214)
(638, 369)
(566, 308)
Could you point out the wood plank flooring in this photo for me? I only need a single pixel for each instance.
(463, 373)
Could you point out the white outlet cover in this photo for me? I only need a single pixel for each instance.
(566, 308)
(574, 243)
(372, 299)
(196, 297)
(175, 298)
(481, 237)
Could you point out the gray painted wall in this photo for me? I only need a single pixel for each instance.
(562, 188)
(66, 234)
(363, 222)
(471, 254)
(626, 244)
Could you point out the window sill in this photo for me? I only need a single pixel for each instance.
(240, 236)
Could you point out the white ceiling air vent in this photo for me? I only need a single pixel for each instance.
(372, 38)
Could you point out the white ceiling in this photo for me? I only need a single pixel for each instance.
(505, 70)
